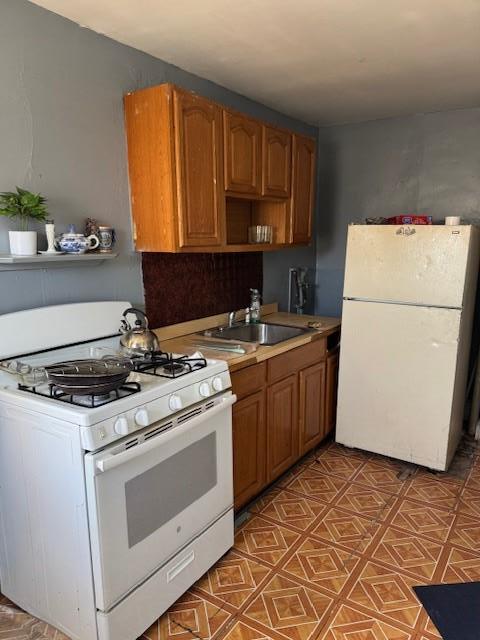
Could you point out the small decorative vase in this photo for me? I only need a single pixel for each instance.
(23, 243)
(77, 243)
(106, 236)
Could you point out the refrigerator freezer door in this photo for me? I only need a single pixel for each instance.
(396, 381)
(423, 265)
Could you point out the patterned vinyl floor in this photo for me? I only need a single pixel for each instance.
(330, 553)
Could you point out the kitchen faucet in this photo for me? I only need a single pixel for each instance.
(231, 318)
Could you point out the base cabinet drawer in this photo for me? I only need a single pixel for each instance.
(249, 447)
(282, 426)
(249, 380)
(291, 361)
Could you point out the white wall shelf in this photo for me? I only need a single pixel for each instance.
(20, 263)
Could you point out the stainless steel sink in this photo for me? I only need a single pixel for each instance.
(262, 333)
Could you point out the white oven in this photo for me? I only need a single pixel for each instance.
(150, 495)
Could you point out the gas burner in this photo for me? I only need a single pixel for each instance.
(90, 400)
(165, 365)
(173, 368)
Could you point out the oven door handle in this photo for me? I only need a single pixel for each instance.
(110, 461)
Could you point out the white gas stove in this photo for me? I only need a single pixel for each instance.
(111, 505)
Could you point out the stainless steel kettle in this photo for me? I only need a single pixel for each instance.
(139, 337)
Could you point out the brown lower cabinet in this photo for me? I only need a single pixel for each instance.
(312, 406)
(249, 439)
(286, 406)
(282, 426)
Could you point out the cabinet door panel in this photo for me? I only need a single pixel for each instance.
(242, 153)
(198, 153)
(331, 392)
(282, 426)
(249, 447)
(303, 189)
(312, 406)
(276, 165)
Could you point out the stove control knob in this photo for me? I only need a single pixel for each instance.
(141, 418)
(175, 403)
(217, 384)
(121, 426)
(204, 389)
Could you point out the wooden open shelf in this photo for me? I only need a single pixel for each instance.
(242, 213)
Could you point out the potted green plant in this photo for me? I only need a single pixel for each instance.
(23, 206)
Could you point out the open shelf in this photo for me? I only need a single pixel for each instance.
(242, 213)
(19, 263)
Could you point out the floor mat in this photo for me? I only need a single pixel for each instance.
(454, 608)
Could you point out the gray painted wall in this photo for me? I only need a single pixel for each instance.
(61, 133)
(426, 164)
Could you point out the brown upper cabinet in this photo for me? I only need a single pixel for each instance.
(303, 189)
(200, 175)
(174, 153)
(277, 162)
(201, 204)
(242, 154)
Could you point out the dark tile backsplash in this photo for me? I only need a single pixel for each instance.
(181, 287)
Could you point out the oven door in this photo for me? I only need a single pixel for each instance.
(148, 500)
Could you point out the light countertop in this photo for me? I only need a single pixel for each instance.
(182, 338)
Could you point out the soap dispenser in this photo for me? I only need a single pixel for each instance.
(255, 299)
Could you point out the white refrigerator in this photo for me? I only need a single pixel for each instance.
(409, 295)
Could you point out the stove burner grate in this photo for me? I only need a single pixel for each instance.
(91, 400)
(164, 365)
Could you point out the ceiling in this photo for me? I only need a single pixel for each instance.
(323, 61)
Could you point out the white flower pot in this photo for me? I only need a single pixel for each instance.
(23, 243)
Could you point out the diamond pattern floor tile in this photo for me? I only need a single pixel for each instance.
(437, 492)
(290, 609)
(321, 564)
(461, 566)
(16, 624)
(367, 502)
(191, 615)
(351, 624)
(403, 550)
(297, 511)
(346, 529)
(469, 502)
(264, 540)
(386, 592)
(431, 629)
(466, 532)
(337, 463)
(382, 476)
(244, 631)
(423, 520)
(313, 483)
(263, 500)
(233, 579)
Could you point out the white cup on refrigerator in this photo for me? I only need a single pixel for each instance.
(452, 221)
